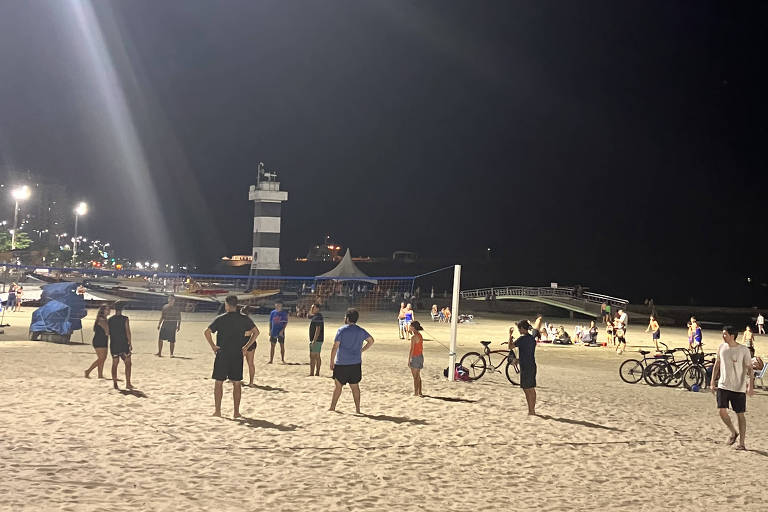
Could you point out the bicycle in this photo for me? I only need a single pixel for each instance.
(476, 363)
(632, 371)
(671, 372)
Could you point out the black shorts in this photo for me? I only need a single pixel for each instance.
(657, 335)
(348, 373)
(228, 366)
(168, 330)
(253, 347)
(737, 400)
(527, 377)
(277, 339)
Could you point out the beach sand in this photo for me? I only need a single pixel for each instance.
(70, 443)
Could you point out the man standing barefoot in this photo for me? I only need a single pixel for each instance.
(169, 325)
(527, 346)
(230, 329)
(120, 344)
(346, 358)
(316, 333)
(733, 366)
(278, 319)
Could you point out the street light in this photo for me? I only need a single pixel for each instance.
(19, 194)
(80, 209)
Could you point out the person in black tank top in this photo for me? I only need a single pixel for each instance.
(100, 337)
(120, 344)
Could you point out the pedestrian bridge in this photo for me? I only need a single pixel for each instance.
(570, 299)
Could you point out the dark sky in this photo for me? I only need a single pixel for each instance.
(582, 138)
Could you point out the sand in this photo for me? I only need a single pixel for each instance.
(70, 443)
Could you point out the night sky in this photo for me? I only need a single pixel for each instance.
(615, 143)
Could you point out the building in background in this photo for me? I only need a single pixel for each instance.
(47, 212)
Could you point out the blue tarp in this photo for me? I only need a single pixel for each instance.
(61, 310)
(53, 316)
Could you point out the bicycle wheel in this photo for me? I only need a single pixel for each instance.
(674, 378)
(655, 373)
(513, 372)
(631, 371)
(694, 376)
(474, 363)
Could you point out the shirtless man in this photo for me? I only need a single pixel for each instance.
(168, 325)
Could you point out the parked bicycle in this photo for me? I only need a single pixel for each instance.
(632, 371)
(477, 363)
(672, 372)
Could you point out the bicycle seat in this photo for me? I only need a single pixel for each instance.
(485, 343)
(644, 351)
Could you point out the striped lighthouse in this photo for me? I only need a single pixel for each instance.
(268, 199)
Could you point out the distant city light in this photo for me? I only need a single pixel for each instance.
(21, 193)
(81, 209)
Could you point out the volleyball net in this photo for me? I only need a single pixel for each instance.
(141, 289)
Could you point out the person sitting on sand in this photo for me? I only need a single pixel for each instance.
(655, 330)
(120, 344)
(593, 333)
(526, 346)
(347, 357)
(447, 314)
(230, 328)
(563, 338)
(434, 313)
(416, 356)
(735, 380)
(100, 337)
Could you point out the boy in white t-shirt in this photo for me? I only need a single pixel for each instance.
(735, 380)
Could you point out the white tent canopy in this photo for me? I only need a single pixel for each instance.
(346, 269)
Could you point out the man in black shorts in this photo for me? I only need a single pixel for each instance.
(735, 380)
(526, 345)
(232, 329)
(169, 325)
(346, 358)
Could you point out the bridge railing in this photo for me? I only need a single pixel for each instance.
(531, 291)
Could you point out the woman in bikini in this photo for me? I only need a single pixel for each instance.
(100, 336)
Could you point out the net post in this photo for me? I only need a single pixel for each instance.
(454, 321)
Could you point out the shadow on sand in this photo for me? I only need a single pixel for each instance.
(450, 399)
(133, 392)
(265, 388)
(254, 423)
(393, 419)
(294, 364)
(182, 357)
(579, 422)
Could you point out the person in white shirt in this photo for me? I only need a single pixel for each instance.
(732, 380)
(760, 324)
